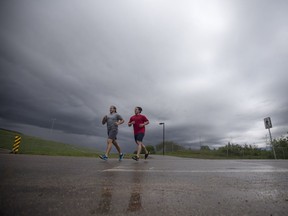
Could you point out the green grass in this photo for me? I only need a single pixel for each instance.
(37, 146)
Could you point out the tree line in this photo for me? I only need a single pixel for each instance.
(230, 150)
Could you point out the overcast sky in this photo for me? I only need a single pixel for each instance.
(212, 70)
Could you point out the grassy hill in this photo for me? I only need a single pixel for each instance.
(37, 146)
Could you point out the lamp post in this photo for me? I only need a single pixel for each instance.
(162, 123)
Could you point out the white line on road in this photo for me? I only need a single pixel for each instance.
(202, 171)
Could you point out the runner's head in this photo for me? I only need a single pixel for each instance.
(113, 109)
(138, 110)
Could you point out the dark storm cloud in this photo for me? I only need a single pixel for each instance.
(211, 73)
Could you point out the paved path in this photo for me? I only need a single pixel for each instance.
(43, 185)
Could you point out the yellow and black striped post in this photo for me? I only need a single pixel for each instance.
(16, 144)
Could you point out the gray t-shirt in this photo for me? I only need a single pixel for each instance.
(112, 119)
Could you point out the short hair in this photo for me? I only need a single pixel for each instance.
(139, 108)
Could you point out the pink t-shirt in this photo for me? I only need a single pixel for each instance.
(139, 119)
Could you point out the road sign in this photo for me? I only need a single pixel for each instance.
(268, 123)
(16, 144)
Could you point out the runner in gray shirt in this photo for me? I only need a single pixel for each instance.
(113, 119)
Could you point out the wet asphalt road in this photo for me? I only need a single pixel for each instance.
(44, 185)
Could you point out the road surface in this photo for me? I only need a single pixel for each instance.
(160, 185)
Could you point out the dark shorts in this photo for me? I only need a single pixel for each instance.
(139, 137)
(112, 134)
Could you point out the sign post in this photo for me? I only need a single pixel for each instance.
(268, 125)
(16, 144)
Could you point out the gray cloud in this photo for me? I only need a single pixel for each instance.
(212, 70)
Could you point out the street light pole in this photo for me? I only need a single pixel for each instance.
(162, 123)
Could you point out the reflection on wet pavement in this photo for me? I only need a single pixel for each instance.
(135, 198)
(108, 186)
(106, 195)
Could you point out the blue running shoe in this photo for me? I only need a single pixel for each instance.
(121, 156)
(103, 157)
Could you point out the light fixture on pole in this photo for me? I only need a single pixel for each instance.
(162, 123)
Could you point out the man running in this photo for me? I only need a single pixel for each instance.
(139, 121)
(113, 119)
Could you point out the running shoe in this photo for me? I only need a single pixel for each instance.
(146, 155)
(103, 157)
(135, 158)
(121, 156)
